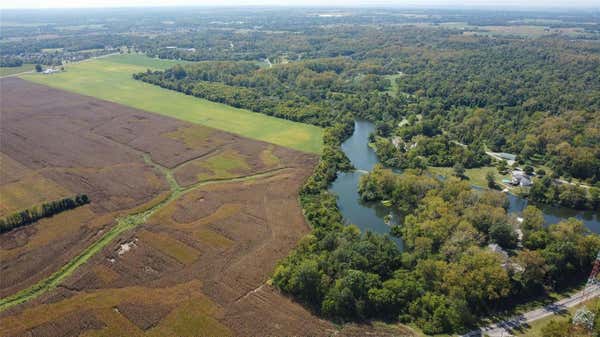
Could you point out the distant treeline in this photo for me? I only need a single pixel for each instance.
(10, 61)
(318, 91)
(35, 213)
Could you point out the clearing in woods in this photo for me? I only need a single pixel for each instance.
(110, 78)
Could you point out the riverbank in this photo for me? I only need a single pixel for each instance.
(370, 216)
(552, 213)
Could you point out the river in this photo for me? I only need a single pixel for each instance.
(369, 216)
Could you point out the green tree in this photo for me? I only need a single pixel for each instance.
(573, 196)
(504, 235)
(491, 180)
(437, 314)
(533, 269)
(396, 293)
(502, 167)
(528, 170)
(533, 219)
(302, 279)
(459, 170)
(594, 197)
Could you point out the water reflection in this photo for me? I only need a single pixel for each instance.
(555, 214)
(370, 216)
(367, 216)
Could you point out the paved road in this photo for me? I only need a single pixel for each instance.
(503, 329)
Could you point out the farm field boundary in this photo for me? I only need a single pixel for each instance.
(110, 78)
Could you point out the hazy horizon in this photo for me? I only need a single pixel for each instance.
(445, 4)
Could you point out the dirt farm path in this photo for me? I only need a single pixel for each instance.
(122, 224)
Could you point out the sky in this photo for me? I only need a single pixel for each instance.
(6, 4)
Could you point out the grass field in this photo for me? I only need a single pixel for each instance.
(476, 176)
(535, 328)
(7, 71)
(223, 165)
(110, 78)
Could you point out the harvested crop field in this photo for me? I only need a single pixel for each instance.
(205, 216)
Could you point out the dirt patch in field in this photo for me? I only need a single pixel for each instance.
(144, 316)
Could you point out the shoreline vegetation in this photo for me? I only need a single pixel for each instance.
(330, 272)
(543, 190)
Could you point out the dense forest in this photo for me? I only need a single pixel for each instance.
(316, 91)
(537, 99)
(447, 277)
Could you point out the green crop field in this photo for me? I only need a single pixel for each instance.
(110, 78)
(6, 71)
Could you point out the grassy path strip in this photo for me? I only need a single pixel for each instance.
(123, 224)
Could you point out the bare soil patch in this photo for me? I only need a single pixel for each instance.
(144, 316)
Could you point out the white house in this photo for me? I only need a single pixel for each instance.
(520, 178)
(49, 71)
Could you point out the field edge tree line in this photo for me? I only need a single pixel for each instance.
(45, 210)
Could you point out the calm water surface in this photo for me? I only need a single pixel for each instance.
(369, 216)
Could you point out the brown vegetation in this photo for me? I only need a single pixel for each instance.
(199, 266)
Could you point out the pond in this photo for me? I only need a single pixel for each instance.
(367, 216)
(370, 216)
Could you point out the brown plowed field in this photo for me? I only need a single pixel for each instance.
(199, 266)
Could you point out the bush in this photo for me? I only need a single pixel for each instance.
(504, 235)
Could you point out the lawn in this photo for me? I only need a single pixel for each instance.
(6, 71)
(476, 176)
(535, 328)
(110, 78)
